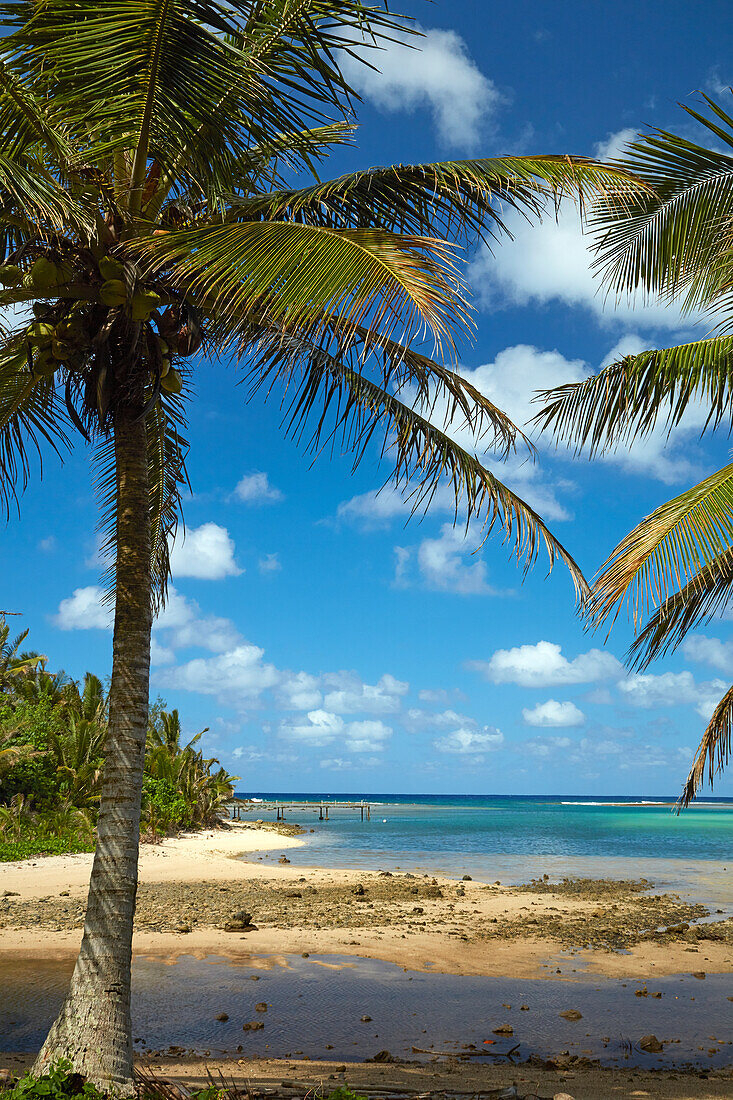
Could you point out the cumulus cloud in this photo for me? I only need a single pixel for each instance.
(709, 651)
(669, 689)
(543, 665)
(299, 691)
(551, 261)
(185, 626)
(321, 727)
(553, 714)
(346, 693)
(447, 563)
(544, 747)
(437, 74)
(237, 678)
(205, 552)
(84, 610)
(469, 742)
(256, 489)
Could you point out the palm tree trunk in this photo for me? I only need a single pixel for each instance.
(93, 1029)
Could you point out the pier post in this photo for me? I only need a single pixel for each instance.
(321, 817)
(362, 811)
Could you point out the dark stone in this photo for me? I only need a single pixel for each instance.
(384, 1056)
(253, 1025)
(650, 1044)
(222, 1017)
(467, 878)
(359, 890)
(261, 1007)
(366, 1019)
(571, 1014)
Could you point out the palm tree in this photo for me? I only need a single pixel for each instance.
(15, 666)
(675, 568)
(147, 214)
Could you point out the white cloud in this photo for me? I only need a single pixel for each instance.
(256, 489)
(47, 545)
(709, 651)
(671, 689)
(436, 73)
(185, 626)
(544, 746)
(367, 736)
(551, 261)
(205, 552)
(554, 714)
(349, 694)
(84, 610)
(270, 563)
(613, 147)
(445, 564)
(300, 691)
(237, 678)
(469, 742)
(418, 719)
(543, 665)
(321, 727)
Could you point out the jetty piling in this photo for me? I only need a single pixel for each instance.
(238, 806)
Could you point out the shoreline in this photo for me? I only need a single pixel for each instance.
(193, 884)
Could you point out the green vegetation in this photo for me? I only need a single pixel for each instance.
(52, 741)
(61, 1083)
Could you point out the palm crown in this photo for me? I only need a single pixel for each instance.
(676, 567)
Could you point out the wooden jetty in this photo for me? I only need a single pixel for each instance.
(238, 806)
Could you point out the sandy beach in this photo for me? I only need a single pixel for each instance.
(192, 886)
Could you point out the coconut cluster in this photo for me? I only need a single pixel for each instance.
(67, 332)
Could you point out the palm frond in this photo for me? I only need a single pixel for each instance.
(713, 752)
(353, 408)
(668, 242)
(627, 399)
(706, 595)
(667, 549)
(298, 274)
(30, 415)
(458, 198)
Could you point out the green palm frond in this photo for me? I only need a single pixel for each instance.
(705, 596)
(422, 455)
(667, 549)
(670, 241)
(627, 399)
(299, 273)
(30, 414)
(467, 197)
(713, 752)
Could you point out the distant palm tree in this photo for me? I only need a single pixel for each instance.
(674, 240)
(147, 216)
(15, 666)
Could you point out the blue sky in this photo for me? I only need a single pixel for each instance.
(332, 647)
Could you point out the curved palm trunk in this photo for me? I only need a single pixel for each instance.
(93, 1029)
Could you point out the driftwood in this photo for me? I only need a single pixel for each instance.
(469, 1054)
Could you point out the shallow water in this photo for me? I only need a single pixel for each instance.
(320, 1000)
(514, 839)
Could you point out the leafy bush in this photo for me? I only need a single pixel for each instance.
(60, 1083)
(164, 803)
(38, 841)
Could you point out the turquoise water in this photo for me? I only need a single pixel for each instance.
(513, 838)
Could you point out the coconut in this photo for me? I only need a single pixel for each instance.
(44, 274)
(111, 269)
(165, 366)
(10, 275)
(143, 304)
(45, 364)
(39, 333)
(172, 382)
(113, 292)
(62, 350)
